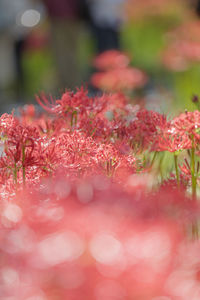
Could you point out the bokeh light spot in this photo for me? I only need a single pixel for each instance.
(30, 18)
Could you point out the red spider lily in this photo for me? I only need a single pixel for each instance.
(111, 59)
(115, 102)
(94, 221)
(184, 47)
(45, 103)
(102, 125)
(74, 106)
(172, 142)
(72, 103)
(80, 112)
(187, 123)
(7, 122)
(20, 144)
(81, 154)
(97, 128)
(146, 128)
(119, 79)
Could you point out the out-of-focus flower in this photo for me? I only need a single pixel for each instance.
(147, 8)
(119, 79)
(183, 282)
(188, 123)
(115, 74)
(86, 238)
(144, 131)
(172, 141)
(83, 214)
(111, 59)
(183, 48)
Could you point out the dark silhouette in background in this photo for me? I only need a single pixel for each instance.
(65, 25)
(102, 17)
(13, 35)
(19, 46)
(106, 17)
(198, 8)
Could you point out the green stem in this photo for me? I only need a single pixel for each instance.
(74, 118)
(176, 168)
(161, 167)
(15, 174)
(153, 159)
(195, 230)
(23, 167)
(194, 179)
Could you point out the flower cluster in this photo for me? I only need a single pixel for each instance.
(99, 199)
(84, 135)
(115, 73)
(137, 10)
(184, 47)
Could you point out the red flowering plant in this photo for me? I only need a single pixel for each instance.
(101, 134)
(137, 10)
(115, 73)
(177, 135)
(120, 79)
(84, 209)
(73, 107)
(112, 59)
(20, 145)
(188, 124)
(109, 119)
(184, 46)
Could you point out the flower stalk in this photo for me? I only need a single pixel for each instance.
(176, 169)
(23, 165)
(194, 179)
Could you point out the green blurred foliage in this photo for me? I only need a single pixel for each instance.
(145, 41)
(39, 71)
(185, 85)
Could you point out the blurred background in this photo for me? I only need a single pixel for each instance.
(48, 45)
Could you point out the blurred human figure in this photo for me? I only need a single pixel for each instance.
(14, 29)
(106, 17)
(198, 8)
(65, 27)
(6, 50)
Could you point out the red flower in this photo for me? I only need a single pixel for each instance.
(143, 132)
(184, 47)
(111, 59)
(187, 123)
(172, 141)
(119, 79)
